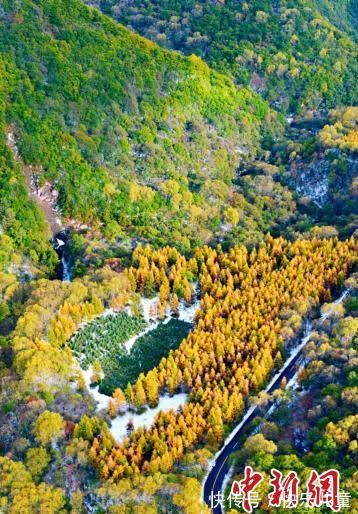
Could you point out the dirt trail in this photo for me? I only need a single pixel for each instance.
(45, 196)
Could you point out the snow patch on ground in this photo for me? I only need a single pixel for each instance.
(227, 478)
(317, 191)
(128, 344)
(101, 399)
(312, 182)
(145, 419)
(119, 424)
(148, 306)
(186, 313)
(293, 383)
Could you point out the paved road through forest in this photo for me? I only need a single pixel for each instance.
(213, 483)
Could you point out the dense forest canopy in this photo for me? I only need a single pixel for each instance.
(314, 425)
(48, 415)
(174, 213)
(235, 344)
(342, 13)
(287, 50)
(139, 141)
(319, 157)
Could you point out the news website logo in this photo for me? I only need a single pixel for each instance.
(319, 490)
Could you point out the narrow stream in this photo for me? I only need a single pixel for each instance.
(60, 244)
(45, 196)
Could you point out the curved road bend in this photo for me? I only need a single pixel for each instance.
(214, 481)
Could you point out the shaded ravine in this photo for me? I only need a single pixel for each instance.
(61, 246)
(213, 482)
(45, 198)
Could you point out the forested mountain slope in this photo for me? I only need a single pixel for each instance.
(320, 157)
(312, 425)
(24, 236)
(109, 142)
(342, 13)
(137, 140)
(287, 50)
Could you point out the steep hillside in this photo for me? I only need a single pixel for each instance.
(321, 164)
(287, 50)
(124, 365)
(24, 237)
(137, 141)
(342, 13)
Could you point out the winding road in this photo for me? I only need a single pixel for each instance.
(213, 483)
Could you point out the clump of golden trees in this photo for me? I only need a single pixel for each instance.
(342, 131)
(252, 306)
(165, 271)
(53, 313)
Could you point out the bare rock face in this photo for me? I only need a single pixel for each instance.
(46, 195)
(312, 182)
(321, 182)
(257, 83)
